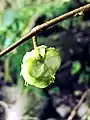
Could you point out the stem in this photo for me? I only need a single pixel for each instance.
(8, 78)
(34, 42)
(44, 26)
(73, 112)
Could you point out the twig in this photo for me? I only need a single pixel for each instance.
(29, 118)
(73, 112)
(44, 26)
(8, 77)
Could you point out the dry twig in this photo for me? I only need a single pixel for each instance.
(74, 111)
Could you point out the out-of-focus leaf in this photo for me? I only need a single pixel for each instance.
(65, 24)
(8, 41)
(8, 17)
(76, 66)
(84, 78)
(2, 29)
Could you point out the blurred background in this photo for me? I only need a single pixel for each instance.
(71, 37)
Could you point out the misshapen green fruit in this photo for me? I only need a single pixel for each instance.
(40, 65)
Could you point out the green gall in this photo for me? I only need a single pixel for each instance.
(40, 65)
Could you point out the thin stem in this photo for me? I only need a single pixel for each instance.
(73, 112)
(34, 41)
(44, 26)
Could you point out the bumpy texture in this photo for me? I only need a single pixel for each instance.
(40, 65)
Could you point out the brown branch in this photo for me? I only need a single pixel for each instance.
(44, 26)
(74, 111)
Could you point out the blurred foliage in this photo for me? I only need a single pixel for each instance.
(75, 67)
(84, 78)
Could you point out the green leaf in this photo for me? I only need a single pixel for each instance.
(76, 66)
(84, 78)
(8, 41)
(8, 17)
